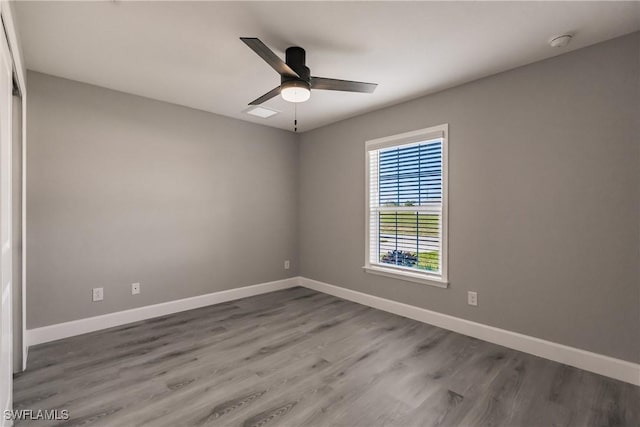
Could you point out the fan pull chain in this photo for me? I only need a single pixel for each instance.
(295, 117)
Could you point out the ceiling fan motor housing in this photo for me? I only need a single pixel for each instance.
(295, 57)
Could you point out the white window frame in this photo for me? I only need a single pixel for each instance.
(410, 274)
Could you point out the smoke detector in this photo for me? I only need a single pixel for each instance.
(560, 41)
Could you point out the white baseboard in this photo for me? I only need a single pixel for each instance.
(91, 324)
(25, 350)
(604, 365)
(589, 361)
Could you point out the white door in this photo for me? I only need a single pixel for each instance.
(6, 339)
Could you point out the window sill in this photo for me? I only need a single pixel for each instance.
(407, 275)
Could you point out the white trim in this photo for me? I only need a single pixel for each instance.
(6, 9)
(419, 135)
(14, 44)
(434, 132)
(25, 346)
(6, 192)
(7, 407)
(96, 323)
(430, 208)
(444, 222)
(600, 364)
(406, 274)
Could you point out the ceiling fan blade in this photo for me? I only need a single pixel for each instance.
(267, 96)
(270, 58)
(323, 83)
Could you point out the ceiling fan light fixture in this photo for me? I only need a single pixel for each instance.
(295, 91)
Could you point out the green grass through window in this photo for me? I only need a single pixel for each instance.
(410, 224)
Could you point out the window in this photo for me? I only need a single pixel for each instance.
(407, 206)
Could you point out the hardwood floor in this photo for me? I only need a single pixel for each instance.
(301, 358)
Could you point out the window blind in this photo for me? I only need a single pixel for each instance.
(405, 204)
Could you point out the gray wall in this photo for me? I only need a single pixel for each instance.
(123, 189)
(16, 230)
(544, 199)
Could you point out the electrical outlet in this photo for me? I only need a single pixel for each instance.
(287, 264)
(98, 294)
(135, 288)
(472, 298)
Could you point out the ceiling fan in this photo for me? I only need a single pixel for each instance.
(296, 80)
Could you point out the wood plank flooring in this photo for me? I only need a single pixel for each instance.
(301, 358)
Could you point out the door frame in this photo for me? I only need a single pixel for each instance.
(8, 20)
(6, 230)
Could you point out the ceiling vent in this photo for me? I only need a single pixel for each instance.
(262, 112)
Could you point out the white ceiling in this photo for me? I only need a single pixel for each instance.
(190, 53)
